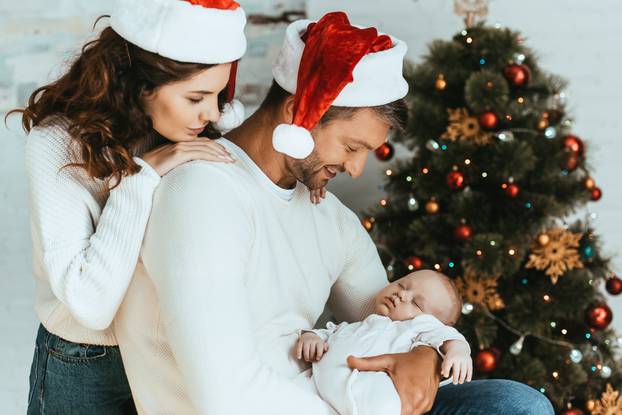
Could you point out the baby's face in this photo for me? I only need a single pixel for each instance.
(421, 292)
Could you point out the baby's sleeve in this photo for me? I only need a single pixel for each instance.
(431, 332)
(324, 334)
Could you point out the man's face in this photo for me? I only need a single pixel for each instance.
(341, 145)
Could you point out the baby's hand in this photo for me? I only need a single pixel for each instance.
(458, 361)
(311, 346)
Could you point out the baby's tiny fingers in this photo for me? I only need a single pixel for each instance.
(319, 351)
(470, 372)
(456, 373)
(445, 369)
(463, 372)
(325, 346)
(299, 349)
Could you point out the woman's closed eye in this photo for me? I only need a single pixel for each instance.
(195, 100)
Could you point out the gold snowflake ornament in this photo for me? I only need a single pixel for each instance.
(480, 290)
(558, 255)
(609, 404)
(465, 127)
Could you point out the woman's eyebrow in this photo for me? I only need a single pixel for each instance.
(201, 92)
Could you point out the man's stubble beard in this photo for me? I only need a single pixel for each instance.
(307, 171)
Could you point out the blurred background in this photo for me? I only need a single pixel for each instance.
(576, 39)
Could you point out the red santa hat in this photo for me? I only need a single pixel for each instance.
(331, 62)
(196, 31)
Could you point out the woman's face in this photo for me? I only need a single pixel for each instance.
(181, 110)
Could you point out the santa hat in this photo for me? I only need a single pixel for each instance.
(196, 31)
(331, 62)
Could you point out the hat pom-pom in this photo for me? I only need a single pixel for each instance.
(232, 116)
(292, 140)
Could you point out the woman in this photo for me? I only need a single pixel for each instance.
(138, 101)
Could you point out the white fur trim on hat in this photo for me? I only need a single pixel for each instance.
(180, 30)
(378, 77)
(292, 140)
(232, 116)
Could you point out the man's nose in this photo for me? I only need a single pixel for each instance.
(356, 165)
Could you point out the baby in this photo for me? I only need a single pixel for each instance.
(417, 309)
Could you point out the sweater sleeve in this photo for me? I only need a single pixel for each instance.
(363, 275)
(324, 334)
(89, 268)
(196, 247)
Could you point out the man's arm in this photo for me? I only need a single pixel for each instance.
(195, 251)
(363, 275)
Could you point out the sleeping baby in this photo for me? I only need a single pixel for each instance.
(418, 309)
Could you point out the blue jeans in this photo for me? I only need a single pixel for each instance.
(69, 378)
(490, 396)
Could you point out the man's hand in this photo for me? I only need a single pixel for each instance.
(415, 374)
(311, 347)
(457, 361)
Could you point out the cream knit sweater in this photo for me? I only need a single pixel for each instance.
(85, 238)
(230, 272)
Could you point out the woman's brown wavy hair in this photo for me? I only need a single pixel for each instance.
(102, 96)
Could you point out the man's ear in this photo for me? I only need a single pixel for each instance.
(287, 109)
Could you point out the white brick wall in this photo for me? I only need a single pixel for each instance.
(577, 39)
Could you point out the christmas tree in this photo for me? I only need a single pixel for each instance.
(495, 171)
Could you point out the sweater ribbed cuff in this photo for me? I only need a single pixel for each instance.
(147, 169)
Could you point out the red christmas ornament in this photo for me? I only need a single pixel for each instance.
(596, 194)
(572, 411)
(385, 152)
(414, 261)
(488, 120)
(517, 74)
(455, 180)
(599, 316)
(512, 190)
(486, 360)
(572, 162)
(463, 232)
(614, 285)
(574, 145)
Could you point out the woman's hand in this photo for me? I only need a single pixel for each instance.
(457, 361)
(168, 156)
(317, 195)
(311, 347)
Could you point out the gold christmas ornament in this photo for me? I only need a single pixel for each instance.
(609, 403)
(470, 10)
(465, 127)
(440, 83)
(558, 255)
(480, 290)
(432, 207)
(368, 223)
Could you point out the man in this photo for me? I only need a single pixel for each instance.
(236, 259)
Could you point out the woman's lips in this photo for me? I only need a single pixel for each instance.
(330, 174)
(196, 131)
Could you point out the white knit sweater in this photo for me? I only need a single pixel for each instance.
(230, 272)
(85, 238)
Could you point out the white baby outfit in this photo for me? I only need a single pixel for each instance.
(351, 392)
